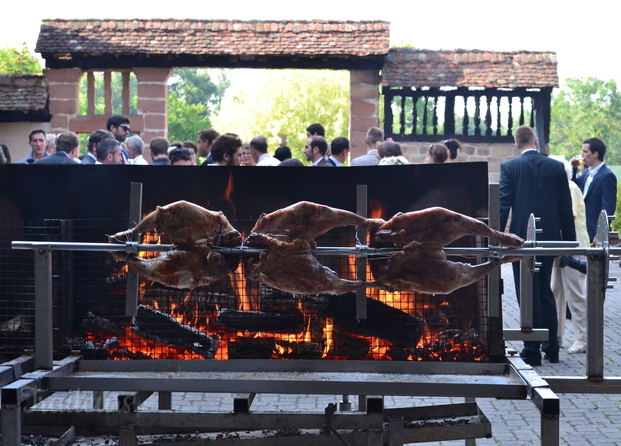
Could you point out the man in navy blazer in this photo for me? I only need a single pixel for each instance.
(67, 148)
(597, 183)
(536, 184)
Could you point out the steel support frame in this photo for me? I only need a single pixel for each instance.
(541, 394)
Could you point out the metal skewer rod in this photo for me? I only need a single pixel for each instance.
(542, 249)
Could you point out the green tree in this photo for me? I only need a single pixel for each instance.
(116, 81)
(284, 102)
(192, 98)
(20, 61)
(584, 109)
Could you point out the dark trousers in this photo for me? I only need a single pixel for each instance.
(544, 309)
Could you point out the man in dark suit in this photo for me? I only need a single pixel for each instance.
(598, 184)
(67, 148)
(315, 150)
(536, 184)
(375, 136)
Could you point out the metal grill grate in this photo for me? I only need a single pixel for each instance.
(233, 318)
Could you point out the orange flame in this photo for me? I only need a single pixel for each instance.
(228, 193)
(327, 336)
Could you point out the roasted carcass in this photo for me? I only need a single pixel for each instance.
(292, 268)
(194, 231)
(185, 224)
(303, 220)
(287, 237)
(421, 265)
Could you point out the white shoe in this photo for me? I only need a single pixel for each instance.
(577, 348)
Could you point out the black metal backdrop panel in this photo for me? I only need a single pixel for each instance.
(102, 192)
(85, 203)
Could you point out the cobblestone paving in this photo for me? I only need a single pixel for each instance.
(585, 419)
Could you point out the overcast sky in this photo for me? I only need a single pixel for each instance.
(584, 35)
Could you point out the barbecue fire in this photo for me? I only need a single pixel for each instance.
(277, 302)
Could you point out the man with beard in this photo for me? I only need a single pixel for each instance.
(119, 126)
(226, 150)
(315, 150)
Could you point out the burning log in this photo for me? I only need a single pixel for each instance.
(350, 347)
(383, 321)
(258, 321)
(101, 326)
(299, 350)
(162, 327)
(275, 301)
(252, 348)
(268, 347)
(199, 300)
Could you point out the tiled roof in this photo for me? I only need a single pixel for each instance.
(214, 37)
(23, 93)
(408, 67)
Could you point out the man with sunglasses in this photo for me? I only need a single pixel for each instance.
(119, 126)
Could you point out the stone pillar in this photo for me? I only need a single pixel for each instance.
(63, 91)
(153, 102)
(364, 94)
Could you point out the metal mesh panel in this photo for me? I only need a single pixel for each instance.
(233, 318)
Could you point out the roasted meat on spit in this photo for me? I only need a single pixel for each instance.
(420, 265)
(185, 224)
(194, 231)
(287, 237)
(303, 220)
(292, 268)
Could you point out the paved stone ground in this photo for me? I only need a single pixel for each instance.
(585, 419)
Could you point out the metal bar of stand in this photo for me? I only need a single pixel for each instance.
(72, 246)
(526, 294)
(133, 280)
(395, 431)
(360, 250)
(361, 264)
(595, 316)
(494, 301)
(44, 347)
(11, 425)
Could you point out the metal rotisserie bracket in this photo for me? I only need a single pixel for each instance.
(101, 193)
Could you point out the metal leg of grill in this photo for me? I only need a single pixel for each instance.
(375, 437)
(395, 426)
(470, 441)
(127, 436)
(596, 265)
(164, 400)
(98, 399)
(11, 425)
(549, 405)
(43, 310)
(362, 403)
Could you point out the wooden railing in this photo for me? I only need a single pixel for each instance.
(473, 115)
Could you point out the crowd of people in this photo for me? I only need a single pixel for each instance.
(215, 149)
(567, 201)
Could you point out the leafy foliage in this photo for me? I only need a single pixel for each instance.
(584, 109)
(192, 97)
(284, 103)
(116, 79)
(20, 61)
